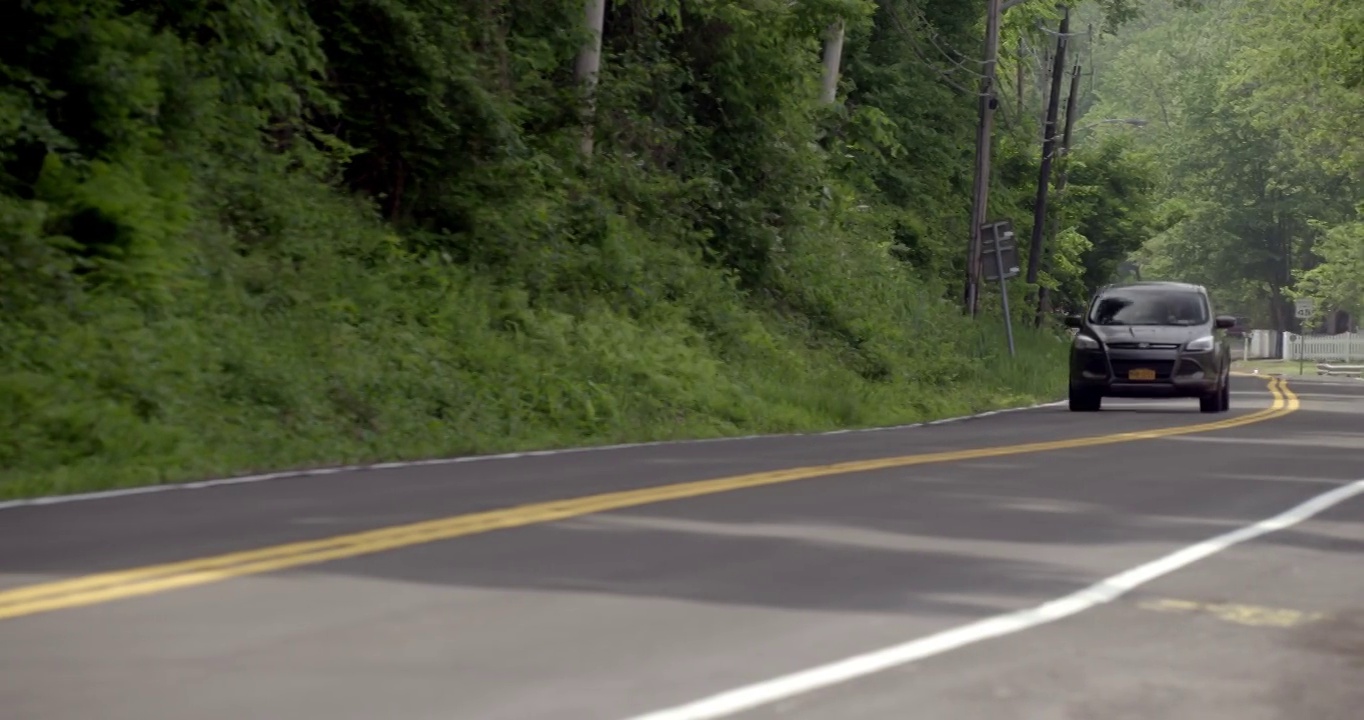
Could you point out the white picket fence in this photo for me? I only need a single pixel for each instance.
(1344, 347)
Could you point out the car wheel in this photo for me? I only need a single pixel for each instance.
(1084, 400)
(1212, 402)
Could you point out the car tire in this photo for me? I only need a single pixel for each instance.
(1084, 400)
(1225, 395)
(1215, 401)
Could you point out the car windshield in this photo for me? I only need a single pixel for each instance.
(1149, 306)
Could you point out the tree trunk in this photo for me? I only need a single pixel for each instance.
(588, 67)
(833, 56)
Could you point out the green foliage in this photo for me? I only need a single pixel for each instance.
(1306, 74)
(1110, 198)
(1339, 280)
(1254, 110)
(275, 232)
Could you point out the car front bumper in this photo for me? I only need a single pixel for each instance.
(1160, 372)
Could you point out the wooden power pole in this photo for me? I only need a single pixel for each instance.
(1019, 72)
(1048, 150)
(1072, 101)
(980, 195)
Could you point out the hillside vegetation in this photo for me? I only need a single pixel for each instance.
(272, 233)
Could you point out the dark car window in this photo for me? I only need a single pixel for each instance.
(1149, 306)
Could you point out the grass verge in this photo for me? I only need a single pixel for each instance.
(343, 362)
(1275, 367)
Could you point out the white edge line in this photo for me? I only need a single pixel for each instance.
(334, 470)
(762, 693)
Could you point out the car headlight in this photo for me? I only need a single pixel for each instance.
(1085, 342)
(1201, 344)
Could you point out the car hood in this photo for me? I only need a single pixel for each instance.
(1148, 333)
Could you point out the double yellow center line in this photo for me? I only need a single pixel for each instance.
(118, 585)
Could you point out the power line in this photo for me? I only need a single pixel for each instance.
(954, 56)
(946, 76)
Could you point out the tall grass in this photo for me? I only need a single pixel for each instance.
(366, 353)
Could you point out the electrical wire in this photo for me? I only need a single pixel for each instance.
(946, 76)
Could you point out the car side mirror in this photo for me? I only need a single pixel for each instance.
(1225, 321)
(1072, 321)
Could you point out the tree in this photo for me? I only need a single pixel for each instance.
(1244, 202)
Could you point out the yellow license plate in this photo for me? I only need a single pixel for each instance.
(1141, 374)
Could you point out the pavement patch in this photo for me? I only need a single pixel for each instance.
(1251, 615)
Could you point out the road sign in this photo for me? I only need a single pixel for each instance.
(999, 260)
(1003, 234)
(1305, 307)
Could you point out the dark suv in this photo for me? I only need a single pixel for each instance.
(1150, 340)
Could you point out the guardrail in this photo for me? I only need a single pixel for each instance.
(1340, 370)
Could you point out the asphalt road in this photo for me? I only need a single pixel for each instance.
(515, 597)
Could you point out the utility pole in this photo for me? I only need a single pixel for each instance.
(1072, 101)
(1042, 89)
(1048, 150)
(1018, 92)
(833, 55)
(587, 68)
(980, 195)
